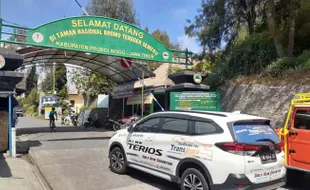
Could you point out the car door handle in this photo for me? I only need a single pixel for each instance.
(293, 133)
(292, 151)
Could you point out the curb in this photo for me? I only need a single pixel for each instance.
(42, 179)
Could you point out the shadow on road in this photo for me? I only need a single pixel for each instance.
(5, 170)
(152, 180)
(23, 147)
(62, 129)
(83, 138)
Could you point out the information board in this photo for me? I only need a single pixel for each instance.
(202, 101)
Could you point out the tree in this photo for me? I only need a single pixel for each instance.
(47, 83)
(118, 9)
(61, 80)
(220, 20)
(90, 84)
(273, 29)
(146, 29)
(32, 80)
(163, 37)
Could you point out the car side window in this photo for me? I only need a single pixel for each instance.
(149, 126)
(204, 127)
(175, 126)
(302, 119)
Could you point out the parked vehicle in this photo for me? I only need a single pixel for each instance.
(126, 122)
(70, 119)
(296, 137)
(202, 150)
(113, 123)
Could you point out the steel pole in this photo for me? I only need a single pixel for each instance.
(142, 103)
(10, 124)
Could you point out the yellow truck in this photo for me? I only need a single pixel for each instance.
(296, 137)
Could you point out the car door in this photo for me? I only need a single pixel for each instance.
(173, 129)
(140, 148)
(299, 139)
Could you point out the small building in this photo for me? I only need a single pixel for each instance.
(130, 94)
(75, 100)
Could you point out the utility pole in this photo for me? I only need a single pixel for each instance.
(142, 102)
(54, 80)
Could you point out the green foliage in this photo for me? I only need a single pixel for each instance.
(32, 80)
(281, 65)
(304, 58)
(61, 80)
(118, 9)
(164, 38)
(204, 66)
(215, 81)
(91, 84)
(47, 83)
(31, 102)
(152, 65)
(251, 55)
(174, 69)
(220, 20)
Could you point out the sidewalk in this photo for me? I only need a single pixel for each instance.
(18, 174)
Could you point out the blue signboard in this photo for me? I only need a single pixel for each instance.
(49, 100)
(123, 90)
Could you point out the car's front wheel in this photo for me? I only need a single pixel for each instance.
(192, 179)
(118, 161)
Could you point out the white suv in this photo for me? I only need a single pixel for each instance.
(202, 150)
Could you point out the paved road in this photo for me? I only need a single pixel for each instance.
(75, 159)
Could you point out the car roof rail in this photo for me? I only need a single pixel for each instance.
(199, 112)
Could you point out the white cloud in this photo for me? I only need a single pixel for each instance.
(189, 43)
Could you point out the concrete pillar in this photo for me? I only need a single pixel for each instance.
(13, 132)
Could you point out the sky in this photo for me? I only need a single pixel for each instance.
(168, 15)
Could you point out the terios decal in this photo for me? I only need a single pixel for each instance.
(183, 147)
(100, 35)
(137, 146)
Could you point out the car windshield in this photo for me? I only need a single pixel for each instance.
(255, 133)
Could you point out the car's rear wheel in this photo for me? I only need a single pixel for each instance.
(193, 179)
(118, 162)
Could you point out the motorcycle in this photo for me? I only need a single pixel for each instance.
(128, 121)
(70, 119)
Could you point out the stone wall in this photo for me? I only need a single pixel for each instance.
(261, 100)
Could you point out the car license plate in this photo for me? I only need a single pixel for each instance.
(268, 157)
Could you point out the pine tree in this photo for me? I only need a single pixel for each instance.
(61, 80)
(32, 80)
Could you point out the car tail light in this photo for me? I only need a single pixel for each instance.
(238, 148)
(240, 186)
(279, 147)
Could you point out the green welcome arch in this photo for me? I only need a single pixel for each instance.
(99, 35)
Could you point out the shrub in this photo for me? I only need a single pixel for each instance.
(281, 65)
(251, 55)
(304, 59)
(215, 81)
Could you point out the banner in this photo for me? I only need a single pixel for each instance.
(203, 101)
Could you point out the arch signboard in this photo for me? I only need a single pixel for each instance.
(100, 35)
